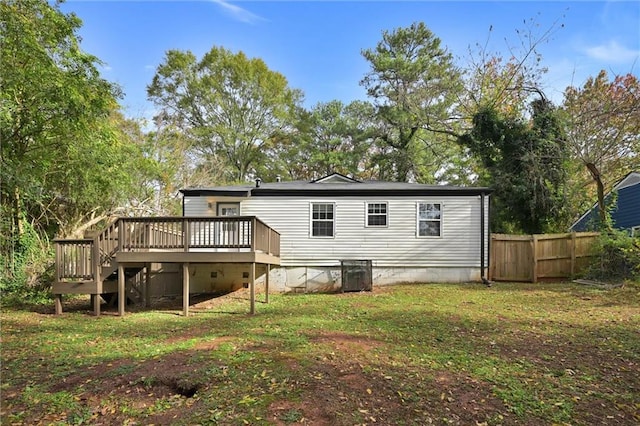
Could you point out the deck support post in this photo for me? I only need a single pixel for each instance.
(122, 297)
(147, 285)
(185, 289)
(252, 288)
(95, 301)
(266, 284)
(58, 303)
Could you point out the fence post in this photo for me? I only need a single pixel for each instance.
(573, 254)
(492, 257)
(534, 246)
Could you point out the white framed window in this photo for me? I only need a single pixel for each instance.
(377, 214)
(323, 220)
(429, 222)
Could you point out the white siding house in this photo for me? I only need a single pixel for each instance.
(409, 232)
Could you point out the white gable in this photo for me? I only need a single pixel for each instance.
(335, 178)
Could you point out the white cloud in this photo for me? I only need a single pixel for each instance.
(238, 13)
(612, 52)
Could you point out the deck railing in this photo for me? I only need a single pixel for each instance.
(74, 260)
(80, 259)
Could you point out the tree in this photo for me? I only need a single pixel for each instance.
(337, 138)
(414, 86)
(175, 165)
(229, 104)
(283, 153)
(65, 149)
(506, 85)
(526, 166)
(331, 137)
(603, 129)
(51, 92)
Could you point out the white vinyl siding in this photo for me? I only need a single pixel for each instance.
(393, 246)
(377, 214)
(208, 205)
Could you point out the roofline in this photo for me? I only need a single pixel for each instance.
(223, 193)
(621, 181)
(369, 192)
(275, 192)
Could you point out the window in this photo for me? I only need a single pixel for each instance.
(429, 219)
(322, 220)
(376, 214)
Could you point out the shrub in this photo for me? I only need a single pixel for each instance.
(617, 257)
(29, 270)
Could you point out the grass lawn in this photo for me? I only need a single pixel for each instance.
(421, 354)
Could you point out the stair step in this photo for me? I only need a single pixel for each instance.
(110, 273)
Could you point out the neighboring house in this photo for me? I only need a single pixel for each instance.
(409, 232)
(624, 215)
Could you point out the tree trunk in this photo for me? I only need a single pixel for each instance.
(597, 177)
(403, 161)
(403, 167)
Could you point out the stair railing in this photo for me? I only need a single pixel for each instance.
(108, 243)
(74, 260)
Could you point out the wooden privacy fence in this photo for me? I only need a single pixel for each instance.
(531, 258)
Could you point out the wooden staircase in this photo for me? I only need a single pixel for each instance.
(77, 261)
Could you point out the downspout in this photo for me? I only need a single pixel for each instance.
(485, 281)
(489, 236)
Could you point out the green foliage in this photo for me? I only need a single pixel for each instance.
(26, 276)
(526, 162)
(66, 153)
(603, 127)
(53, 104)
(339, 138)
(414, 85)
(331, 137)
(617, 257)
(227, 104)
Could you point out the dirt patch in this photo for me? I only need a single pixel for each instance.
(340, 390)
(338, 394)
(213, 344)
(344, 342)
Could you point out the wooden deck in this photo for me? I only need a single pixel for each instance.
(101, 264)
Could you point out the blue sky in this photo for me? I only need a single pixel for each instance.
(316, 45)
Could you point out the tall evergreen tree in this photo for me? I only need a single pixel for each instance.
(414, 85)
